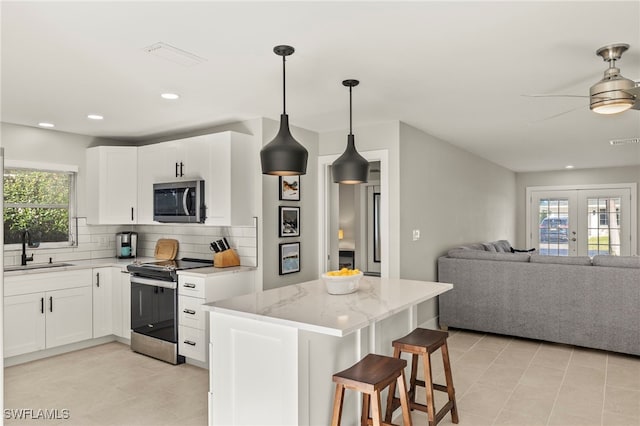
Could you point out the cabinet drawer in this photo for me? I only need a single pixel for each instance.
(191, 286)
(190, 312)
(192, 343)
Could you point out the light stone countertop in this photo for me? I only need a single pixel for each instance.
(212, 270)
(308, 306)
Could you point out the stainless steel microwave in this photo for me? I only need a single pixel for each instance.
(179, 202)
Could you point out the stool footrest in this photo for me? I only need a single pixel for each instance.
(441, 388)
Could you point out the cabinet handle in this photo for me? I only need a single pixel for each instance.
(42, 305)
(181, 165)
(189, 342)
(98, 279)
(176, 169)
(131, 214)
(189, 285)
(51, 304)
(189, 311)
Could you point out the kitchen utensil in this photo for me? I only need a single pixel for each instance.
(166, 249)
(226, 243)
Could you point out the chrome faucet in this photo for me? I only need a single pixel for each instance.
(26, 236)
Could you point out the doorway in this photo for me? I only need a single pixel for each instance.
(357, 234)
(585, 221)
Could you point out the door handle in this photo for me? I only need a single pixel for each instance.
(189, 342)
(189, 285)
(97, 279)
(51, 304)
(42, 305)
(176, 169)
(181, 165)
(131, 214)
(574, 239)
(189, 311)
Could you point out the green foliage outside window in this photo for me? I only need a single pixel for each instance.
(37, 201)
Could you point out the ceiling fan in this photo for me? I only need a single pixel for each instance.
(613, 93)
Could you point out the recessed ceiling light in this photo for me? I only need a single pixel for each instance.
(569, 166)
(95, 117)
(170, 96)
(48, 125)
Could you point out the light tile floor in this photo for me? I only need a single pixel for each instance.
(499, 381)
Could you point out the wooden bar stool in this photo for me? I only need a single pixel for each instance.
(423, 342)
(369, 376)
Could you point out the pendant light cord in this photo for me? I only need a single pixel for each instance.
(350, 112)
(284, 88)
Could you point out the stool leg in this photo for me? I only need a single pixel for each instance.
(364, 416)
(337, 405)
(428, 384)
(392, 392)
(376, 409)
(448, 376)
(413, 378)
(404, 401)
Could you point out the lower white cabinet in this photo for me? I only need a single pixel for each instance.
(123, 329)
(46, 310)
(194, 290)
(103, 301)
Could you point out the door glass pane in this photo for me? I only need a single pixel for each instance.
(603, 225)
(553, 230)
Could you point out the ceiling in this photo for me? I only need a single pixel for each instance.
(455, 70)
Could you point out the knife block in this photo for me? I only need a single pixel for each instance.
(226, 258)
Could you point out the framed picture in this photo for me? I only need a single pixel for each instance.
(289, 219)
(289, 258)
(290, 188)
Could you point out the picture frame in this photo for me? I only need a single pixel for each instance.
(289, 188)
(289, 221)
(289, 258)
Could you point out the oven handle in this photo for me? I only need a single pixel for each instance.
(158, 283)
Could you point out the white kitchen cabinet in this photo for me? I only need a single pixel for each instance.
(226, 161)
(112, 185)
(122, 316)
(103, 302)
(194, 290)
(46, 310)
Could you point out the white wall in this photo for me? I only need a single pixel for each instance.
(608, 175)
(453, 197)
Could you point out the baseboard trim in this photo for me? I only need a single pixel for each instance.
(46, 353)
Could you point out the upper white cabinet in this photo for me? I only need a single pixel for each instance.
(112, 189)
(223, 160)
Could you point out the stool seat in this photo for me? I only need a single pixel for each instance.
(423, 342)
(369, 376)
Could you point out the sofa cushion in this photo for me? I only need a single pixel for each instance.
(489, 247)
(617, 261)
(502, 246)
(561, 260)
(483, 255)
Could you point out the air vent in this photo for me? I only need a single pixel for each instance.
(630, 141)
(173, 54)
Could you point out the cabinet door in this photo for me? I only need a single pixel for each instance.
(112, 188)
(102, 302)
(24, 324)
(157, 163)
(68, 316)
(125, 284)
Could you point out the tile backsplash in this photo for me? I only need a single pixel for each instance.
(99, 241)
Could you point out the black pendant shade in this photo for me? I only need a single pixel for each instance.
(284, 156)
(350, 167)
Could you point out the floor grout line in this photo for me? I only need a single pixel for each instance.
(564, 376)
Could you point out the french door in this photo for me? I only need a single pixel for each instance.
(582, 222)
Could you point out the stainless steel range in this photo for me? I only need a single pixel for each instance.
(154, 306)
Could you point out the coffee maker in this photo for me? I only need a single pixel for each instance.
(126, 245)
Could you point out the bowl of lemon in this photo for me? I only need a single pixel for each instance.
(343, 281)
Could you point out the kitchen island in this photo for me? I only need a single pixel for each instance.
(273, 353)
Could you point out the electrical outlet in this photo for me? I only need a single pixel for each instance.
(416, 234)
(102, 241)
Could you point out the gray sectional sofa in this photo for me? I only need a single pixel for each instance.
(580, 301)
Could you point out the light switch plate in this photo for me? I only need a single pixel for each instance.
(416, 234)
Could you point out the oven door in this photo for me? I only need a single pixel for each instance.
(154, 304)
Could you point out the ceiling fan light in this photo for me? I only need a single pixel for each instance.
(284, 156)
(611, 94)
(612, 107)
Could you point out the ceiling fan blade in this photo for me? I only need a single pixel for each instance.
(548, 95)
(556, 115)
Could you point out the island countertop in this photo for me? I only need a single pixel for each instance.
(308, 306)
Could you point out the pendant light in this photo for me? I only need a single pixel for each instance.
(350, 167)
(284, 156)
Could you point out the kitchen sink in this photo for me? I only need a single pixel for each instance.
(36, 266)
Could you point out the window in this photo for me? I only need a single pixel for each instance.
(40, 201)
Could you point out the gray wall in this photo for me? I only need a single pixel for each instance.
(629, 174)
(453, 197)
